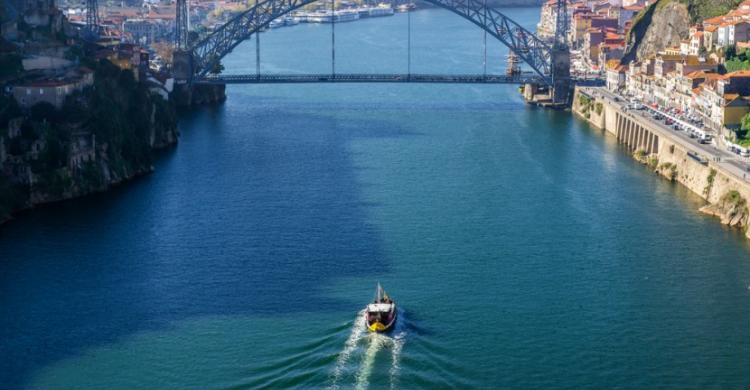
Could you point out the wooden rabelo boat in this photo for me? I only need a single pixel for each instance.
(381, 313)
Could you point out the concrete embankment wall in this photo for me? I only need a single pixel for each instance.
(664, 152)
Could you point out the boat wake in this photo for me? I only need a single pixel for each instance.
(356, 360)
(358, 330)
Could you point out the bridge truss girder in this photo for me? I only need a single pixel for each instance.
(527, 46)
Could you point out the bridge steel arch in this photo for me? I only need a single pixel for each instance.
(533, 51)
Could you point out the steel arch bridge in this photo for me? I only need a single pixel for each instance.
(203, 55)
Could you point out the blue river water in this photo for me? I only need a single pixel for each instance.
(524, 248)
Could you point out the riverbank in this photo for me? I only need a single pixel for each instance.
(99, 138)
(706, 171)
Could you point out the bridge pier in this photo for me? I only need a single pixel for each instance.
(558, 93)
(561, 88)
(182, 66)
(187, 93)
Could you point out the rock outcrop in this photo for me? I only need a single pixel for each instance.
(663, 24)
(102, 136)
(731, 208)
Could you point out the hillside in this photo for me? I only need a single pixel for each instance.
(666, 22)
(117, 124)
(703, 9)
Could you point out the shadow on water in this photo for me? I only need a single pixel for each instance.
(249, 215)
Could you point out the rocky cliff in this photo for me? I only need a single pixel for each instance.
(731, 208)
(666, 22)
(102, 136)
(661, 25)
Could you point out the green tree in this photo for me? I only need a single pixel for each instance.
(10, 64)
(746, 122)
(744, 127)
(730, 52)
(44, 111)
(216, 66)
(9, 109)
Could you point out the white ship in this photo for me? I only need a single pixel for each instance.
(300, 17)
(319, 17)
(276, 23)
(347, 15)
(406, 7)
(381, 10)
(291, 21)
(372, 12)
(364, 12)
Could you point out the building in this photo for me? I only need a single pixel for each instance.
(665, 63)
(733, 108)
(731, 32)
(82, 149)
(142, 31)
(722, 100)
(696, 43)
(52, 91)
(616, 75)
(611, 50)
(49, 91)
(710, 36)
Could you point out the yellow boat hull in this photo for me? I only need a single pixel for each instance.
(377, 327)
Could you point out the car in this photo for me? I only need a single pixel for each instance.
(745, 153)
(676, 127)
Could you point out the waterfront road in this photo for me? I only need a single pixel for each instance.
(729, 162)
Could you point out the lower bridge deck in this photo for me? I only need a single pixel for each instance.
(369, 78)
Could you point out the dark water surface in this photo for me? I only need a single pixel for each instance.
(525, 249)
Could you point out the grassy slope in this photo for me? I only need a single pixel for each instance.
(703, 9)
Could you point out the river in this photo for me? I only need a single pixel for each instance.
(524, 248)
